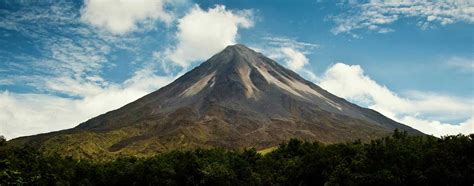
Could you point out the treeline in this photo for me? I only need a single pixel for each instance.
(396, 160)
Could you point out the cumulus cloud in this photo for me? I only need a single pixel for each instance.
(27, 114)
(419, 110)
(438, 128)
(376, 15)
(120, 17)
(202, 33)
(295, 59)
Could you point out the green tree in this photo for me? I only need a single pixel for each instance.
(399, 159)
(3, 141)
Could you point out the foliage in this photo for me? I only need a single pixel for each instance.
(399, 159)
(3, 141)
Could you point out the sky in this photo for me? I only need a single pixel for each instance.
(64, 62)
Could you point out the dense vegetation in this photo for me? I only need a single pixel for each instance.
(396, 160)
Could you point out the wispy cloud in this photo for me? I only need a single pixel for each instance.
(72, 52)
(290, 43)
(67, 57)
(377, 15)
(461, 63)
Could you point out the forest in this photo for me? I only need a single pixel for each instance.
(399, 159)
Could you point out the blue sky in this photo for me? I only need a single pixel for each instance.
(64, 62)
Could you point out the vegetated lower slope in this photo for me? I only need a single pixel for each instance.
(396, 160)
(238, 98)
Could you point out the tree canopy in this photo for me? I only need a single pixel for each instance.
(399, 159)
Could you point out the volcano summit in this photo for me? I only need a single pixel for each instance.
(237, 99)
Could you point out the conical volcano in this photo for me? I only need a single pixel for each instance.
(237, 99)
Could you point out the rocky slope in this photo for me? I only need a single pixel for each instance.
(236, 99)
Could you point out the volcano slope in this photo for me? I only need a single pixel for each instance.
(237, 99)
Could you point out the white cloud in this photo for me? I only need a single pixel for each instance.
(75, 58)
(290, 52)
(72, 87)
(27, 114)
(6, 82)
(19, 20)
(68, 63)
(415, 109)
(374, 15)
(295, 59)
(123, 16)
(291, 43)
(203, 33)
(438, 128)
(461, 63)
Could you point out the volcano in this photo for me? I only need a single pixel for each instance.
(236, 99)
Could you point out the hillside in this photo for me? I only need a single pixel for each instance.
(237, 99)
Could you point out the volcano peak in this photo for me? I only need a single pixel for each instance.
(237, 47)
(237, 99)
